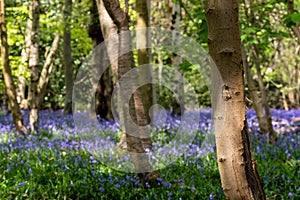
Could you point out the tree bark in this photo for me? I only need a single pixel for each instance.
(110, 34)
(294, 95)
(239, 176)
(177, 107)
(102, 104)
(264, 97)
(267, 122)
(46, 71)
(21, 86)
(262, 121)
(67, 51)
(135, 105)
(144, 52)
(9, 84)
(34, 64)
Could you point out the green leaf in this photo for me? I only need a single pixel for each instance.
(295, 17)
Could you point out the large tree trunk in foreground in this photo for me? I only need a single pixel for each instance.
(135, 105)
(68, 56)
(239, 177)
(34, 64)
(9, 84)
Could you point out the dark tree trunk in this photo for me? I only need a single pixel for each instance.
(68, 56)
(9, 84)
(144, 53)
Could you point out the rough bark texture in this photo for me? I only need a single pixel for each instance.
(144, 53)
(34, 63)
(135, 107)
(102, 104)
(9, 84)
(237, 168)
(68, 57)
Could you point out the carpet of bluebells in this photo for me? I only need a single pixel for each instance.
(55, 164)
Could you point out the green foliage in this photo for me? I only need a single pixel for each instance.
(292, 19)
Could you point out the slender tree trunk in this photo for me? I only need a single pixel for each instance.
(264, 97)
(102, 104)
(177, 107)
(135, 105)
(34, 64)
(262, 121)
(46, 71)
(144, 53)
(285, 104)
(237, 168)
(295, 96)
(110, 34)
(68, 56)
(22, 82)
(9, 84)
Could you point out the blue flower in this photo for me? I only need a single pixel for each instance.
(291, 195)
(101, 189)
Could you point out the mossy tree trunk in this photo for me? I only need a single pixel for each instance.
(8, 81)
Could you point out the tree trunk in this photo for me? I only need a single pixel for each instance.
(135, 105)
(102, 104)
(68, 56)
(144, 52)
(22, 82)
(264, 97)
(9, 84)
(285, 104)
(110, 31)
(46, 71)
(262, 121)
(34, 64)
(177, 107)
(237, 168)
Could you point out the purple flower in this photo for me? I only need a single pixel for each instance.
(101, 189)
(291, 195)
